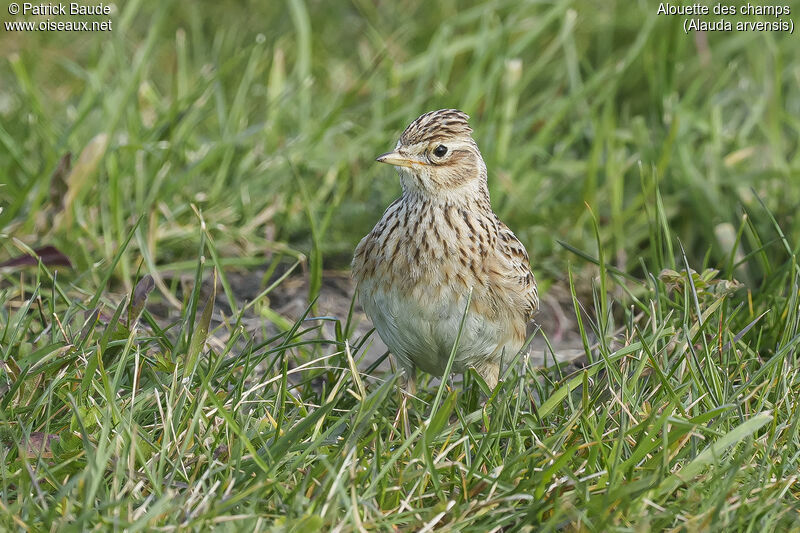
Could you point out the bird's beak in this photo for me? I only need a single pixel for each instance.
(397, 159)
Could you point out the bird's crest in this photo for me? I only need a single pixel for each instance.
(436, 125)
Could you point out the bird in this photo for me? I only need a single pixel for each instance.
(436, 247)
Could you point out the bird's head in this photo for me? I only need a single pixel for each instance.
(436, 155)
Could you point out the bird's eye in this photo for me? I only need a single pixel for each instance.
(440, 150)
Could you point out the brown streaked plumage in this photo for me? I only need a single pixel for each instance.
(438, 240)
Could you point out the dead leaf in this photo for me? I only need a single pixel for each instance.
(221, 452)
(84, 169)
(58, 181)
(40, 445)
(705, 283)
(49, 255)
(200, 334)
(139, 297)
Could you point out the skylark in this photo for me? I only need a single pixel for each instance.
(439, 239)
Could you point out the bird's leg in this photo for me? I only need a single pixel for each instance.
(409, 388)
(411, 379)
(490, 372)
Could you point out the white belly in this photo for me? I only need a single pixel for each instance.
(421, 331)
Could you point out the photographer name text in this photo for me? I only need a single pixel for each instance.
(73, 9)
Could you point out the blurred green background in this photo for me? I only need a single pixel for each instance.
(267, 116)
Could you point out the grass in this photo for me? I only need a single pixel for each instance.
(222, 139)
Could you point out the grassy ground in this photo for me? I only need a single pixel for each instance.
(221, 139)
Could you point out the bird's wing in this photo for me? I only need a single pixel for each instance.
(516, 269)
